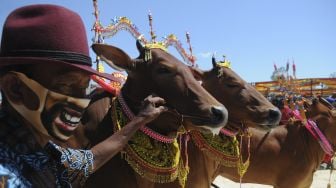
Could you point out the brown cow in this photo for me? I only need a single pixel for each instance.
(245, 105)
(154, 71)
(288, 155)
(258, 107)
(245, 102)
(285, 156)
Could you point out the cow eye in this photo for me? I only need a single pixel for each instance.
(163, 70)
(232, 85)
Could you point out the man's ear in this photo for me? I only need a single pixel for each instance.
(198, 73)
(18, 92)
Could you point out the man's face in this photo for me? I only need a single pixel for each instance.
(64, 102)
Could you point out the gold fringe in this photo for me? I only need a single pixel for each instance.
(151, 176)
(183, 173)
(217, 148)
(227, 152)
(145, 155)
(148, 55)
(243, 166)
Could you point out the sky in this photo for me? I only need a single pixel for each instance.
(253, 35)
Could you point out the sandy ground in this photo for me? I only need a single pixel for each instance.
(321, 179)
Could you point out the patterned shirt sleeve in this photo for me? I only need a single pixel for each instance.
(77, 162)
(10, 179)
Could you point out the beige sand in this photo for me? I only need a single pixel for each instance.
(321, 178)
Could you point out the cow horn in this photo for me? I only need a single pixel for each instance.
(214, 64)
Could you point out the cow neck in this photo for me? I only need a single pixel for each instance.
(314, 131)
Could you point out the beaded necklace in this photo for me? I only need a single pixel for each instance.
(144, 129)
(156, 160)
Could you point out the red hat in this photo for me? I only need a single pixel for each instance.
(46, 34)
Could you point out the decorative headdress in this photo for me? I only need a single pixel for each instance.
(224, 63)
(123, 23)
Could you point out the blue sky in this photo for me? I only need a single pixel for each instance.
(252, 34)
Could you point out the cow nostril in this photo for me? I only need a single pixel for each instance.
(218, 114)
(274, 114)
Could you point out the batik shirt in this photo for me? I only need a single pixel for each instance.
(23, 163)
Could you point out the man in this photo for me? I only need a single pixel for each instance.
(45, 71)
(332, 99)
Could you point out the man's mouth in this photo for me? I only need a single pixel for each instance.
(68, 120)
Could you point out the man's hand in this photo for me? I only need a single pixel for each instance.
(152, 108)
(105, 150)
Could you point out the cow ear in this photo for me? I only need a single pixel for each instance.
(140, 47)
(114, 57)
(198, 73)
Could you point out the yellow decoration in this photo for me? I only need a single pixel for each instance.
(225, 63)
(225, 149)
(116, 84)
(125, 20)
(157, 45)
(222, 148)
(172, 37)
(119, 75)
(183, 173)
(100, 67)
(156, 161)
(243, 166)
